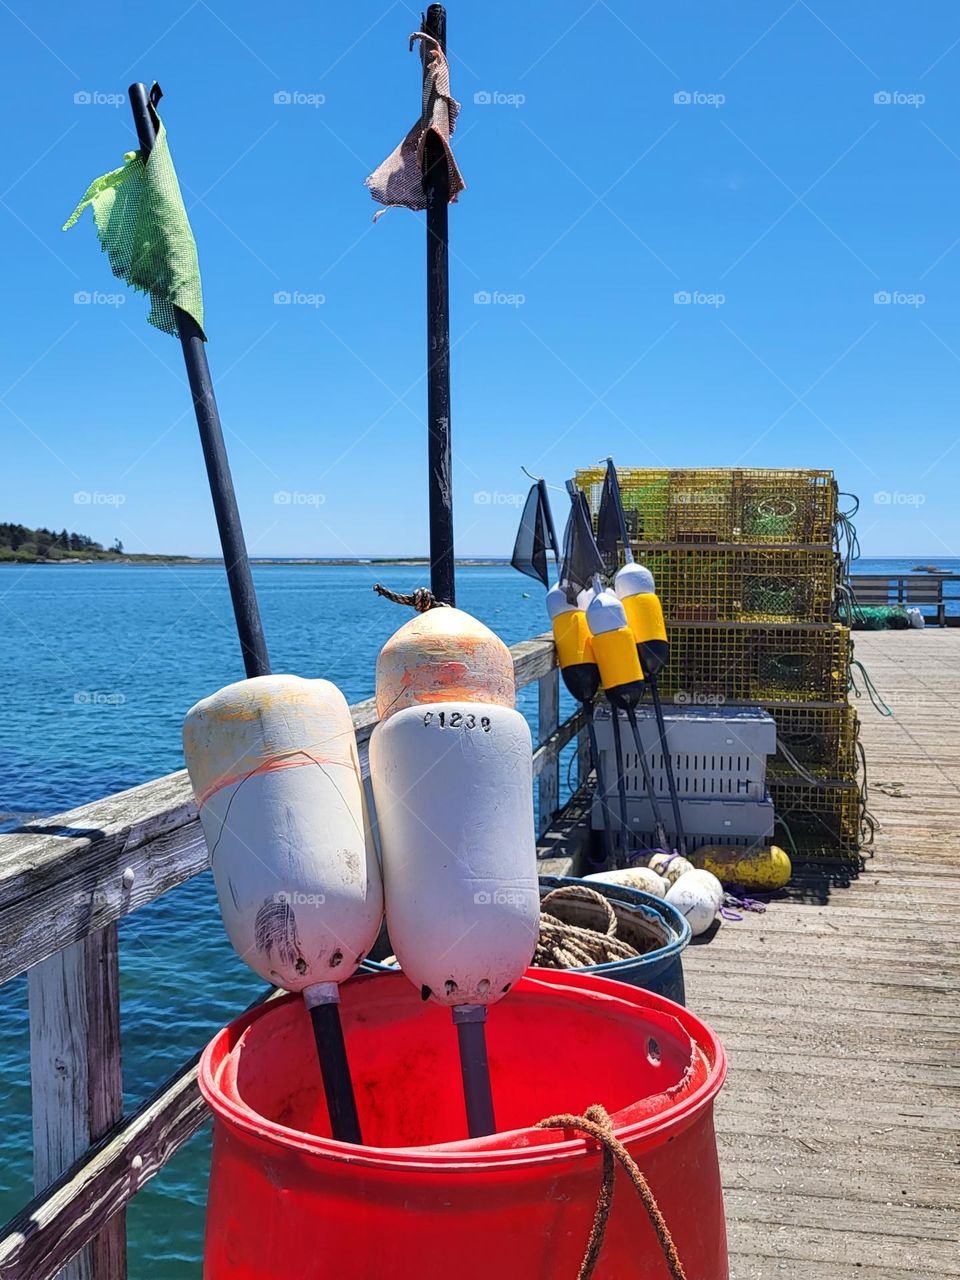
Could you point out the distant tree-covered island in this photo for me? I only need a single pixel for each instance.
(20, 545)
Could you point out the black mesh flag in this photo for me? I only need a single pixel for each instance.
(610, 518)
(581, 558)
(530, 549)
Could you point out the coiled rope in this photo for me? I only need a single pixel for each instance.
(596, 1123)
(563, 944)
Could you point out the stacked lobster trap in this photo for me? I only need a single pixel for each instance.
(746, 567)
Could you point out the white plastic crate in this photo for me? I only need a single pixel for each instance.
(718, 753)
(743, 823)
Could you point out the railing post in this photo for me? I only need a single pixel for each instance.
(548, 722)
(76, 1079)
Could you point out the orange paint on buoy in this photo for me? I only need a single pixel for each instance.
(443, 655)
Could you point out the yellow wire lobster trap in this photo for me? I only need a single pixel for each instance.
(819, 821)
(819, 738)
(736, 583)
(741, 662)
(717, 505)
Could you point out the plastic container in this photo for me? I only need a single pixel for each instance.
(423, 1201)
(660, 971)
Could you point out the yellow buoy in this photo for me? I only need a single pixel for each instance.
(753, 868)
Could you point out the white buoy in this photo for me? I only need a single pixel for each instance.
(633, 878)
(670, 865)
(274, 767)
(632, 579)
(698, 895)
(453, 788)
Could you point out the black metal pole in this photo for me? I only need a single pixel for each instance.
(621, 783)
(667, 763)
(436, 187)
(256, 660)
(601, 785)
(651, 676)
(335, 1070)
(660, 833)
(325, 1017)
(469, 1020)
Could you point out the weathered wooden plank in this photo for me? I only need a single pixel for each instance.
(548, 719)
(533, 658)
(76, 1079)
(797, 1241)
(92, 883)
(54, 1227)
(58, 1223)
(549, 751)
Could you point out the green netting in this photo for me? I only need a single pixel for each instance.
(143, 226)
(880, 617)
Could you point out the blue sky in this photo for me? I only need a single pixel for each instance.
(780, 163)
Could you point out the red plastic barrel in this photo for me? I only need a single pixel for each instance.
(423, 1201)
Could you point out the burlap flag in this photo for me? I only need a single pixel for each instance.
(399, 180)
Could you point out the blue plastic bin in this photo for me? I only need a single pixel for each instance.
(660, 971)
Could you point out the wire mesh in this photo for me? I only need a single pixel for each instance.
(717, 505)
(741, 662)
(820, 737)
(736, 583)
(821, 821)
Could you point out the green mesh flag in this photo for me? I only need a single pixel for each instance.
(143, 226)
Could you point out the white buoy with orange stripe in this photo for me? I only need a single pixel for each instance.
(452, 774)
(275, 771)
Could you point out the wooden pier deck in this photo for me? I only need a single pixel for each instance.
(840, 1010)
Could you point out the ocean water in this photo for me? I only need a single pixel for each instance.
(102, 661)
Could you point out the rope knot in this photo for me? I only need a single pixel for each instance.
(421, 598)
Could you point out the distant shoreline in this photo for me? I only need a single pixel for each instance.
(412, 562)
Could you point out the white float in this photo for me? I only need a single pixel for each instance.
(453, 788)
(633, 878)
(698, 895)
(670, 865)
(452, 781)
(274, 767)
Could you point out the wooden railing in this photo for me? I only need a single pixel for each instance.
(65, 882)
(908, 589)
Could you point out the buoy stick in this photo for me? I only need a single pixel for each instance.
(668, 763)
(601, 785)
(651, 677)
(323, 1001)
(469, 1019)
(327, 1029)
(436, 186)
(659, 831)
(245, 609)
(621, 782)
